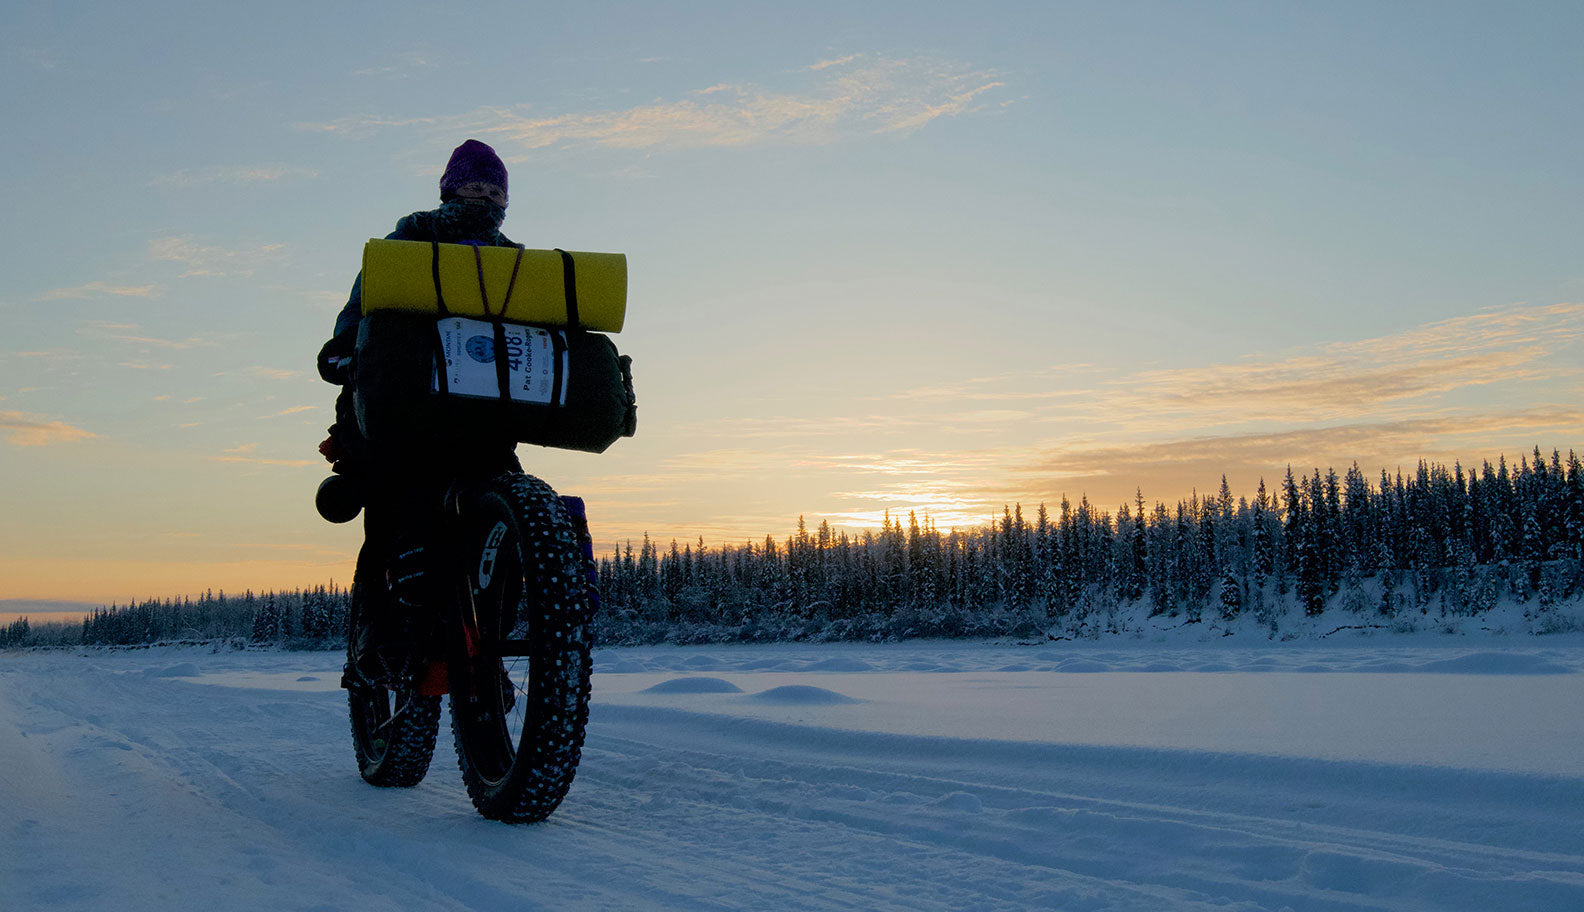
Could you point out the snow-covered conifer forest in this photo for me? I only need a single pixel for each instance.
(1440, 547)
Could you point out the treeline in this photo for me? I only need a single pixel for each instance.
(1458, 540)
(305, 618)
(1446, 540)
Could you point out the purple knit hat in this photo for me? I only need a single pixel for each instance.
(472, 161)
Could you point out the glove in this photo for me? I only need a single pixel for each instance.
(335, 359)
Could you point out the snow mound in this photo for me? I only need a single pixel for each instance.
(802, 695)
(1496, 663)
(182, 670)
(622, 667)
(694, 685)
(1082, 667)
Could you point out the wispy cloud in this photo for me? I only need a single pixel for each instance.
(839, 61)
(204, 260)
(365, 124)
(275, 373)
(52, 354)
(294, 410)
(259, 460)
(26, 429)
(406, 65)
(92, 289)
(836, 99)
(1381, 378)
(1374, 446)
(246, 453)
(132, 334)
(233, 174)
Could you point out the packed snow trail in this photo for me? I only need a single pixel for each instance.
(161, 780)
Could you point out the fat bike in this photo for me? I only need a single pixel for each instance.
(508, 645)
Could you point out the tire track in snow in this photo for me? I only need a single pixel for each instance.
(194, 796)
(1016, 804)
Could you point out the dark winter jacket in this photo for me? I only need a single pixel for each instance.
(443, 225)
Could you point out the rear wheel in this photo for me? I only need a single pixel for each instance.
(519, 703)
(393, 731)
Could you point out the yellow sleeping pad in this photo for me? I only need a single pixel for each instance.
(400, 275)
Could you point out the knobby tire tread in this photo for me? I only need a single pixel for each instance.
(403, 759)
(546, 760)
(409, 741)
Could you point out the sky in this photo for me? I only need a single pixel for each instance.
(882, 256)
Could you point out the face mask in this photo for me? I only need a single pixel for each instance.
(471, 219)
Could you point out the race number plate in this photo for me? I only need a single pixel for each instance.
(533, 361)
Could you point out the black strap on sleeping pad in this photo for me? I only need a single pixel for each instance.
(443, 385)
(502, 367)
(498, 323)
(569, 282)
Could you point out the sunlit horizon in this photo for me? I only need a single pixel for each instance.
(939, 260)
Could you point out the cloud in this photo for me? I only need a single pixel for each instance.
(236, 174)
(366, 124)
(296, 409)
(288, 463)
(146, 365)
(1380, 378)
(99, 288)
(275, 373)
(131, 333)
(1172, 466)
(25, 429)
(244, 453)
(839, 61)
(35, 607)
(409, 64)
(850, 96)
(52, 354)
(203, 260)
(795, 428)
(1314, 388)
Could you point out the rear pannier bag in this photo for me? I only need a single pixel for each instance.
(425, 366)
(564, 388)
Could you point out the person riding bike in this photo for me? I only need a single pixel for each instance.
(396, 485)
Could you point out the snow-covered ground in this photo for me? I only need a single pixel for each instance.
(1434, 773)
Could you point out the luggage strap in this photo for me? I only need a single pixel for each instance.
(569, 282)
(443, 386)
(502, 368)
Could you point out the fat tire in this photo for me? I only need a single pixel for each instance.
(394, 744)
(393, 732)
(532, 590)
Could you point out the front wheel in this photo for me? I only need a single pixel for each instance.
(519, 702)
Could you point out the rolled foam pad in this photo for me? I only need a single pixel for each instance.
(399, 275)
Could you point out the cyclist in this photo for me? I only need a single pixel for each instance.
(473, 199)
